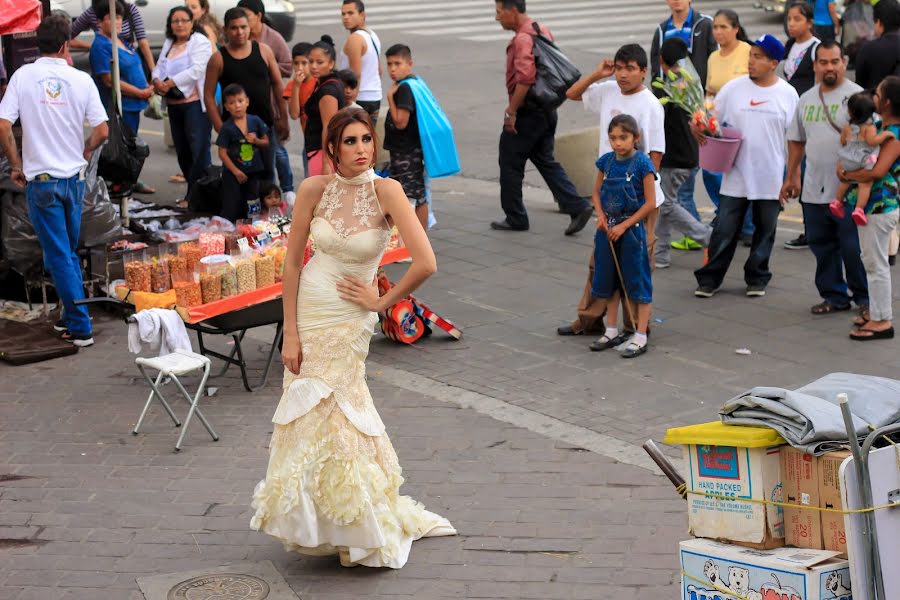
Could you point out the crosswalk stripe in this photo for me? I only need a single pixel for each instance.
(598, 25)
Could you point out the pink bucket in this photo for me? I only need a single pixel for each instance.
(718, 154)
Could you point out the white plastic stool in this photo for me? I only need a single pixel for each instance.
(180, 362)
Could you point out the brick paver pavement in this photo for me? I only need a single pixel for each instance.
(85, 507)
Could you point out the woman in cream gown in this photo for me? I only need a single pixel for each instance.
(332, 485)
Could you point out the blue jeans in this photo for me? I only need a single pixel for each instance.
(132, 118)
(54, 207)
(686, 195)
(835, 244)
(283, 166)
(726, 234)
(713, 184)
(190, 132)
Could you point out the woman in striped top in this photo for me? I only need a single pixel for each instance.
(133, 32)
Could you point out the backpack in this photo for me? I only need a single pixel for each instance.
(555, 74)
(435, 132)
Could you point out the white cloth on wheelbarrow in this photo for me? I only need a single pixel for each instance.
(160, 330)
(810, 418)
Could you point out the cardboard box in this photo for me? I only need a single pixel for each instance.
(800, 483)
(715, 571)
(834, 535)
(813, 481)
(741, 463)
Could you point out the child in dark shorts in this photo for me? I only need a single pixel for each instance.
(401, 128)
(239, 142)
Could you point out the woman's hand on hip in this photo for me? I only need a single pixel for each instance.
(364, 295)
(292, 354)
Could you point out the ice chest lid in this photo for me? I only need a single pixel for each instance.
(798, 558)
(720, 434)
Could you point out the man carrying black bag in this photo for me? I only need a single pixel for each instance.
(529, 128)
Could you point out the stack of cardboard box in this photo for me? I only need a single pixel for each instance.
(733, 475)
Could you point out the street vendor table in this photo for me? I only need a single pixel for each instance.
(237, 315)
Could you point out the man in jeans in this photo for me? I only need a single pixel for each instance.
(528, 132)
(53, 101)
(816, 132)
(761, 106)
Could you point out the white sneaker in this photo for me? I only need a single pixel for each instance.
(289, 198)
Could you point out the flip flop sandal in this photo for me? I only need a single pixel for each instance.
(887, 334)
(177, 179)
(605, 343)
(142, 188)
(632, 350)
(826, 308)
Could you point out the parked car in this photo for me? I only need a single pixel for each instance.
(279, 12)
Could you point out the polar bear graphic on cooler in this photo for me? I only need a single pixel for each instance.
(834, 584)
(739, 584)
(711, 570)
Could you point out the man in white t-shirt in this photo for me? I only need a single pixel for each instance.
(761, 106)
(626, 94)
(53, 100)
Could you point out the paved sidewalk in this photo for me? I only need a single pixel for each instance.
(85, 507)
(526, 441)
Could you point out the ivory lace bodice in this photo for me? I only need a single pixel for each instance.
(351, 235)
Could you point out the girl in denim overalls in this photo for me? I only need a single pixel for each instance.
(623, 197)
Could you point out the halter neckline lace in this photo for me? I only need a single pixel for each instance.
(365, 177)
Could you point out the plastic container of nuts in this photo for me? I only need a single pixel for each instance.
(192, 253)
(137, 271)
(265, 269)
(187, 290)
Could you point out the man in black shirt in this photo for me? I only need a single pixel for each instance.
(678, 165)
(401, 132)
(880, 57)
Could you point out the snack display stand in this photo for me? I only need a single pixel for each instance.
(238, 314)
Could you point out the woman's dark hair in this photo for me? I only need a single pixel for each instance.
(348, 78)
(337, 125)
(301, 49)
(889, 91)
(860, 107)
(805, 8)
(196, 28)
(627, 123)
(326, 45)
(101, 10)
(52, 33)
(233, 14)
(632, 53)
(735, 22)
(267, 189)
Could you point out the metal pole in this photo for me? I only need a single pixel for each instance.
(116, 84)
(862, 477)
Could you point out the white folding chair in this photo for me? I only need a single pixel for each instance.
(180, 362)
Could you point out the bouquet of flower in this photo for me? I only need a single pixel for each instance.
(683, 89)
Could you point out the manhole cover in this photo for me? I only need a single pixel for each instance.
(223, 586)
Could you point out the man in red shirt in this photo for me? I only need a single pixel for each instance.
(529, 131)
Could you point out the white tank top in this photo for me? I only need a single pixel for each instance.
(370, 82)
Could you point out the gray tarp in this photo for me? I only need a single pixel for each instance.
(809, 418)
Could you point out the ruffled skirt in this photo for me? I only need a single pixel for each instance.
(333, 481)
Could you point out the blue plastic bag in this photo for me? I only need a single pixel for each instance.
(435, 130)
